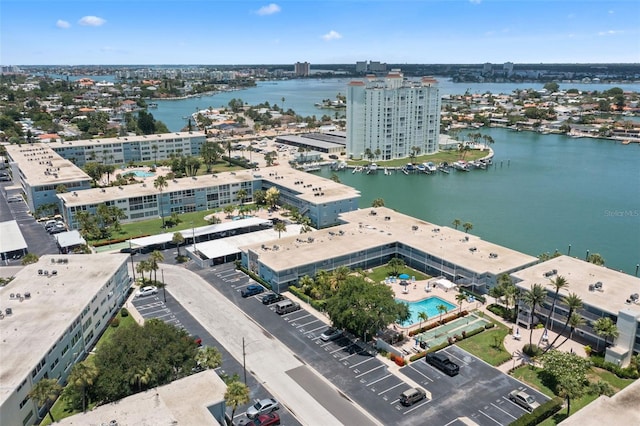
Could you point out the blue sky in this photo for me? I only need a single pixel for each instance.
(77, 32)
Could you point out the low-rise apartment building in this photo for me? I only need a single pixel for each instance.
(604, 293)
(53, 312)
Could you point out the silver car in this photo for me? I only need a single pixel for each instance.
(147, 291)
(263, 406)
(524, 400)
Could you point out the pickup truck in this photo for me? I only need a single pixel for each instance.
(442, 363)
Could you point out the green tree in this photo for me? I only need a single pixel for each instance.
(280, 227)
(534, 298)
(596, 259)
(146, 123)
(378, 202)
(566, 374)
(61, 189)
(605, 327)
(155, 259)
(552, 86)
(467, 226)
(82, 377)
(423, 317)
(575, 320)
(460, 298)
(272, 196)
(45, 392)
(442, 309)
(29, 258)
(209, 358)
(237, 394)
(456, 223)
(241, 195)
(141, 377)
(211, 152)
(364, 308)
(395, 265)
(160, 183)
(558, 283)
(177, 239)
(574, 303)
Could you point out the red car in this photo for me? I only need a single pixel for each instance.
(266, 420)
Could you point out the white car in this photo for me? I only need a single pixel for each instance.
(263, 406)
(147, 291)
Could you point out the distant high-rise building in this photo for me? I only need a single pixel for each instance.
(361, 66)
(371, 66)
(392, 116)
(301, 69)
(487, 67)
(508, 68)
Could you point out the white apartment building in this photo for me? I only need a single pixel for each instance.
(53, 312)
(393, 116)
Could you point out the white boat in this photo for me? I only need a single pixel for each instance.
(461, 165)
(431, 168)
(373, 167)
(421, 167)
(152, 105)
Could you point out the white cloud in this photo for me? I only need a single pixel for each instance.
(611, 12)
(269, 9)
(610, 32)
(475, 1)
(91, 21)
(62, 24)
(332, 35)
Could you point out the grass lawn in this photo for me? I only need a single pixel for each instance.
(382, 272)
(488, 345)
(439, 157)
(530, 376)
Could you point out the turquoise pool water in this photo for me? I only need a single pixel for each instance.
(142, 173)
(428, 305)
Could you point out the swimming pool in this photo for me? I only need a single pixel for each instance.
(142, 173)
(428, 305)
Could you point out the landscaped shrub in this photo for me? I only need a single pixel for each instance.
(124, 312)
(399, 361)
(532, 350)
(490, 325)
(392, 356)
(629, 372)
(432, 349)
(474, 332)
(540, 414)
(115, 321)
(501, 311)
(436, 324)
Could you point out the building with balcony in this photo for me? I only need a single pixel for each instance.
(53, 312)
(392, 117)
(604, 293)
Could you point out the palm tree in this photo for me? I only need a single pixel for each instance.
(605, 327)
(177, 239)
(423, 317)
(154, 148)
(575, 320)
(82, 376)
(209, 358)
(574, 303)
(395, 265)
(228, 146)
(161, 183)
(461, 297)
(45, 392)
(442, 309)
(339, 276)
(456, 223)
(468, 226)
(534, 297)
(596, 259)
(378, 202)
(141, 377)
(241, 195)
(280, 227)
(154, 260)
(559, 283)
(237, 394)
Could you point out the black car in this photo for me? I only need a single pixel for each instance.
(252, 290)
(443, 363)
(270, 298)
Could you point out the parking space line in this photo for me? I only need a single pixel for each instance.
(299, 318)
(395, 401)
(349, 356)
(506, 412)
(311, 322)
(376, 381)
(342, 348)
(415, 407)
(369, 371)
(421, 373)
(392, 387)
(362, 362)
(489, 417)
(458, 358)
(316, 329)
(159, 310)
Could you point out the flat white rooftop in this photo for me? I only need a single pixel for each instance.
(183, 402)
(11, 237)
(364, 230)
(616, 286)
(304, 184)
(139, 138)
(41, 165)
(56, 301)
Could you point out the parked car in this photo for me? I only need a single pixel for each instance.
(252, 290)
(270, 298)
(330, 334)
(411, 396)
(197, 339)
(442, 363)
(524, 400)
(263, 406)
(265, 420)
(147, 291)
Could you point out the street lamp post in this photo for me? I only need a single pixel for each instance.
(164, 292)
(244, 362)
(513, 355)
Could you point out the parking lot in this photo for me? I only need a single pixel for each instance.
(173, 313)
(479, 392)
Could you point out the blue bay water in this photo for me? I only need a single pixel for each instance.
(545, 192)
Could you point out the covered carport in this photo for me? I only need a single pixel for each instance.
(12, 243)
(67, 241)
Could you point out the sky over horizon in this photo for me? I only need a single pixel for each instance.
(217, 32)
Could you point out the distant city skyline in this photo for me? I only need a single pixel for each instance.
(118, 32)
